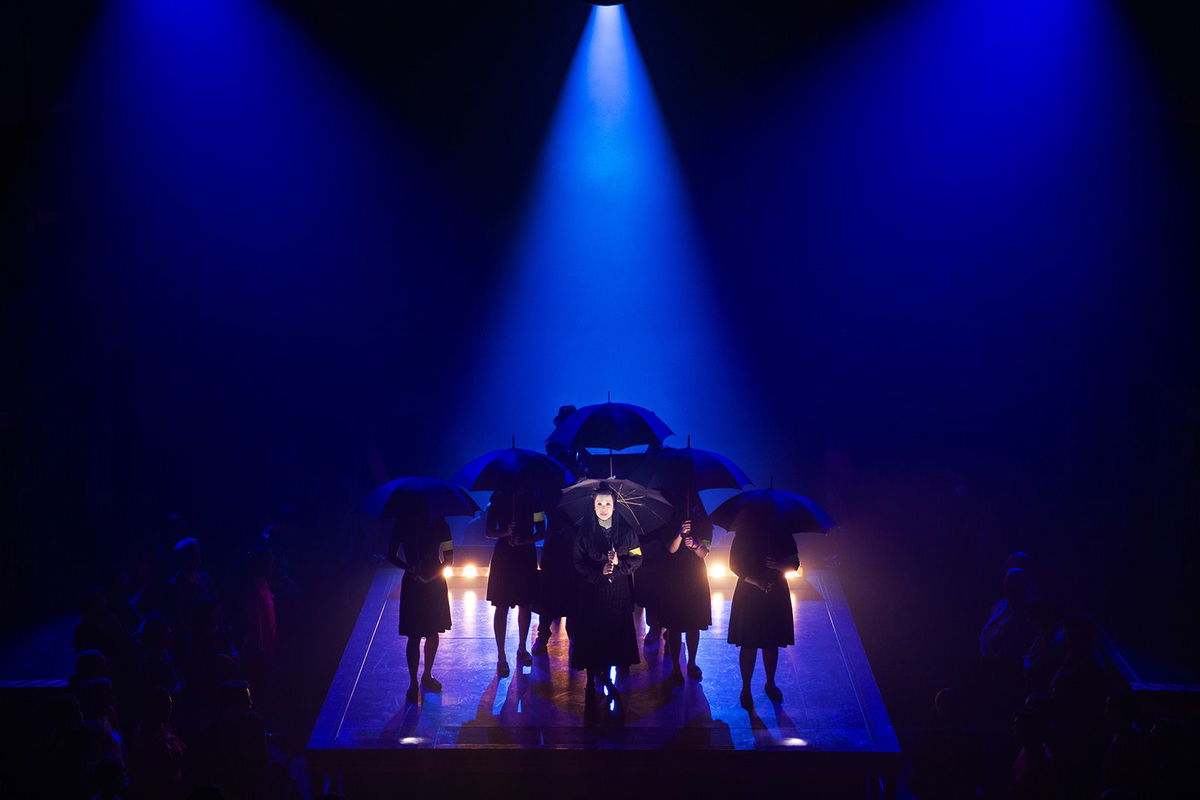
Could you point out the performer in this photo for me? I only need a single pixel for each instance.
(558, 581)
(515, 522)
(651, 580)
(684, 605)
(424, 598)
(760, 616)
(606, 553)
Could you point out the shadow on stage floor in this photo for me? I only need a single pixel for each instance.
(530, 731)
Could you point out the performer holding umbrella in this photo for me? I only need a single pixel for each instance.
(606, 553)
(516, 520)
(673, 581)
(419, 506)
(760, 616)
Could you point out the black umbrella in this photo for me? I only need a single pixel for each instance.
(643, 508)
(769, 512)
(399, 497)
(687, 469)
(514, 470)
(611, 425)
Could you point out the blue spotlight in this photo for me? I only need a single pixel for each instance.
(607, 286)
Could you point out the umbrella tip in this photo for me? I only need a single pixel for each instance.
(610, 395)
(772, 486)
(689, 440)
(514, 441)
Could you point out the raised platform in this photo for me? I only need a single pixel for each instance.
(832, 724)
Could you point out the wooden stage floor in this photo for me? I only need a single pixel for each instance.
(832, 719)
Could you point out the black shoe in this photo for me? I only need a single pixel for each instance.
(411, 695)
(746, 699)
(502, 668)
(524, 659)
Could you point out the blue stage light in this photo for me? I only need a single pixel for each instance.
(607, 287)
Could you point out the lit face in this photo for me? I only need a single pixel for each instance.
(604, 507)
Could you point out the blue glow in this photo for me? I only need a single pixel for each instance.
(222, 152)
(607, 287)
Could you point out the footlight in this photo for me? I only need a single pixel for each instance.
(717, 571)
(447, 572)
(469, 571)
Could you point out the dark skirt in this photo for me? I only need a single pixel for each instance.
(761, 619)
(558, 582)
(602, 626)
(513, 576)
(682, 601)
(424, 607)
(649, 580)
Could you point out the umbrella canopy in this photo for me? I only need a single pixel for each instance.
(687, 469)
(514, 470)
(611, 425)
(398, 497)
(770, 512)
(643, 508)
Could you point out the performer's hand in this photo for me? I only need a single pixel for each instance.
(685, 529)
(512, 526)
(689, 542)
(607, 569)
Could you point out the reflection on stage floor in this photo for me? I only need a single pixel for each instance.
(831, 704)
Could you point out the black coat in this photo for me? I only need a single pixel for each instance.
(603, 616)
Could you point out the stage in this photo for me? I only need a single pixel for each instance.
(831, 727)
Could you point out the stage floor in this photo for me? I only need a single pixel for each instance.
(832, 714)
(832, 719)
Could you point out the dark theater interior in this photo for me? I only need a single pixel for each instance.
(555, 399)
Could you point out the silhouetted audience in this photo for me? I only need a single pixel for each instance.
(156, 755)
(232, 752)
(1034, 771)
(1125, 757)
(948, 758)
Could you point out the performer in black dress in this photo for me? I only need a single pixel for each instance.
(651, 579)
(760, 616)
(424, 598)
(516, 523)
(606, 553)
(684, 605)
(558, 581)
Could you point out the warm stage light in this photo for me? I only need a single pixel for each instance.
(447, 572)
(469, 571)
(791, 573)
(717, 571)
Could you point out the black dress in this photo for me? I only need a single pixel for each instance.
(758, 618)
(513, 576)
(424, 607)
(558, 582)
(682, 601)
(603, 620)
(648, 583)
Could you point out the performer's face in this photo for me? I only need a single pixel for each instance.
(604, 506)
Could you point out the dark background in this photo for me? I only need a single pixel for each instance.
(970, 312)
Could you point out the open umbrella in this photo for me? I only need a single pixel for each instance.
(611, 425)
(643, 508)
(514, 470)
(398, 497)
(770, 512)
(688, 469)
